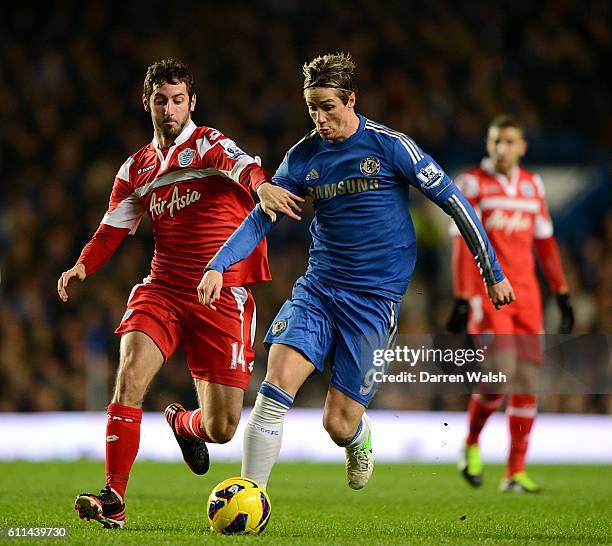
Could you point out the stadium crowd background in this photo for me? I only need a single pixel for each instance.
(70, 88)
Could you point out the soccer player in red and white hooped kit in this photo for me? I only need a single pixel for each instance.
(195, 184)
(513, 209)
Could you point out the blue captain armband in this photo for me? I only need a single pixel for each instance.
(243, 241)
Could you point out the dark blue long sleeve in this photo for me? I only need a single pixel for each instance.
(423, 172)
(454, 203)
(244, 240)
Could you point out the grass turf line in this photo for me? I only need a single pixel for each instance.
(311, 504)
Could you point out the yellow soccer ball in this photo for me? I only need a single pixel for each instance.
(238, 506)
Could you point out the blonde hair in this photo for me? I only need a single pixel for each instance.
(335, 70)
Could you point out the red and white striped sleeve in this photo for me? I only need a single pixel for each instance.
(122, 218)
(224, 155)
(124, 209)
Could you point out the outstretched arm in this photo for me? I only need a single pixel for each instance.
(240, 245)
(423, 172)
(452, 201)
(122, 218)
(221, 153)
(254, 228)
(94, 255)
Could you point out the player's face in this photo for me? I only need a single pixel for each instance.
(170, 109)
(333, 119)
(505, 146)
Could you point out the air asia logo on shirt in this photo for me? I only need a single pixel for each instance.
(369, 166)
(159, 206)
(186, 157)
(508, 223)
(279, 326)
(430, 176)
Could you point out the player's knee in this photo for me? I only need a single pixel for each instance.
(338, 428)
(220, 429)
(280, 378)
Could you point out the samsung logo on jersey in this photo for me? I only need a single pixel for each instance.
(344, 187)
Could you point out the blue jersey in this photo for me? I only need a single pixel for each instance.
(363, 238)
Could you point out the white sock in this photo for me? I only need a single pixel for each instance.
(264, 432)
(360, 434)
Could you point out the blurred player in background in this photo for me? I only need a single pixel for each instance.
(511, 202)
(362, 256)
(195, 184)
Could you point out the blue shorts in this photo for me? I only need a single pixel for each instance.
(324, 321)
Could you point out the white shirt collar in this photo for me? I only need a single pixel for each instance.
(183, 136)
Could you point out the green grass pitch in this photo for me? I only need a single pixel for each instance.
(311, 504)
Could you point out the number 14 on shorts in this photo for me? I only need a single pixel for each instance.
(238, 358)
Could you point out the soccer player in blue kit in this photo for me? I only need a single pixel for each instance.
(363, 252)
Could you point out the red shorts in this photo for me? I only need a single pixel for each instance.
(218, 344)
(517, 325)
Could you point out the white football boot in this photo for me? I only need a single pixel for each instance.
(360, 461)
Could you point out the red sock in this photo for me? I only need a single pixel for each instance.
(522, 410)
(480, 408)
(122, 441)
(188, 425)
